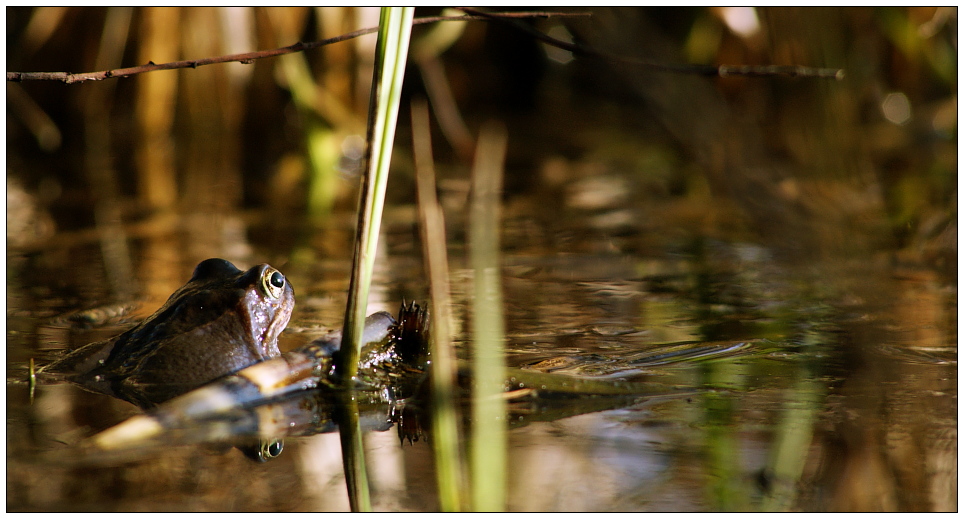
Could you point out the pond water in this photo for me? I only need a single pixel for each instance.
(850, 402)
(779, 256)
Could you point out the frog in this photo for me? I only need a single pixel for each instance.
(221, 321)
(294, 394)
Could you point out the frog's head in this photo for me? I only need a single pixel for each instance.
(261, 296)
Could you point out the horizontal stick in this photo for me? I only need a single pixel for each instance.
(794, 71)
(248, 58)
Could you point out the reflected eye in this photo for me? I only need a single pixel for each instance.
(271, 448)
(273, 283)
(262, 450)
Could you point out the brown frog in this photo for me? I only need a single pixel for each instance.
(222, 320)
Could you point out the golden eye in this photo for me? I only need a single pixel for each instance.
(273, 283)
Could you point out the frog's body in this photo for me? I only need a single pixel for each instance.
(221, 321)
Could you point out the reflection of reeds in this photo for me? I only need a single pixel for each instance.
(353, 453)
(445, 432)
(395, 26)
(488, 407)
(791, 447)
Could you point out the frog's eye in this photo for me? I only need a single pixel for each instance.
(273, 283)
(271, 449)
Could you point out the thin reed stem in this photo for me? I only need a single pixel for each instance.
(488, 407)
(445, 430)
(391, 54)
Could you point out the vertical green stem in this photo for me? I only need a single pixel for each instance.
(394, 30)
(488, 407)
(391, 53)
(445, 432)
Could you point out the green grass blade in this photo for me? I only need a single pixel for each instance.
(445, 419)
(488, 406)
(391, 54)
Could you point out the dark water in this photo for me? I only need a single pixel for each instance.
(845, 398)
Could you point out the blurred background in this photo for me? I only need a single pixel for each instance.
(765, 188)
(285, 134)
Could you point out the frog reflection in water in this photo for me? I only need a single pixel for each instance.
(221, 321)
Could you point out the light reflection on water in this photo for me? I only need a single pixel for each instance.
(864, 385)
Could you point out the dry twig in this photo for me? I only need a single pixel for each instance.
(248, 58)
(702, 70)
(471, 14)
